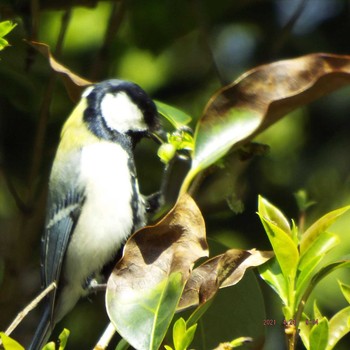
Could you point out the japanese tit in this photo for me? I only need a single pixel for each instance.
(94, 202)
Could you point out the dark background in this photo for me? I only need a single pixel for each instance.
(180, 52)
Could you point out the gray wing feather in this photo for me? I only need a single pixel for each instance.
(66, 197)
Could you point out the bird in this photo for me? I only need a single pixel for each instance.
(94, 203)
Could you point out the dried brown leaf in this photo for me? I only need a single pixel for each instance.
(259, 98)
(74, 84)
(146, 284)
(219, 272)
(152, 253)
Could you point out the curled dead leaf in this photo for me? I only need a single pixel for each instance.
(74, 83)
(259, 98)
(146, 284)
(219, 272)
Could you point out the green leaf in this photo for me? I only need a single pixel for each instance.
(317, 312)
(9, 343)
(271, 273)
(325, 271)
(304, 331)
(273, 214)
(63, 337)
(322, 244)
(145, 286)
(283, 245)
(122, 345)
(5, 28)
(319, 335)
(183, 337)
(50, 346)
(345, 288)
(338, 327)
(146, 317)
(318, 227)
(174, 115)
(240, 341)
(302, 200)
(311, 259)
(215, 135)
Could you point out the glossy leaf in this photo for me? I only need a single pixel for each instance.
(175, 116)
(319, 227)
(319, 335)
(259, 98)
(322, 244)
(283, 245)
(146, 284)
(273, 214)
(221, 271)
(63, 337)
(5, 28)
(345, 288)
(317, 312)
(9, 343)
(323, 272)
(183, 336)
(312, 258)
(271, 273)
(338, 327)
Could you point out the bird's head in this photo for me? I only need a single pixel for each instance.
(116, 108)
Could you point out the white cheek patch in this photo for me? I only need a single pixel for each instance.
(122, 114)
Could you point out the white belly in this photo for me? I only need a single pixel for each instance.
(106, 218)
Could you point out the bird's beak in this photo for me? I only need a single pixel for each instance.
(159, 136)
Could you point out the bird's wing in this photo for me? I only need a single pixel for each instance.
(64, 216)
(65, 201)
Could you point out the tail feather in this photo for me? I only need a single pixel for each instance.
(43, 331)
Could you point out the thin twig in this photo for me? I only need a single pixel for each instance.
(102, 57)
(105, 338)
(31, 306)
(44, 116)
(199, 14)
(287, 29)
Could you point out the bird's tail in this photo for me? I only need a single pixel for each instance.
(43, 331)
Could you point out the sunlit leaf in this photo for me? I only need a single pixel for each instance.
(323, 272)
(259, 98)
(175, 116)
(145, 286)
(338, 327)
(63, 337)
(318, 227)
(221, 271)
(319, 335)
(9, 343)
(273, 214)
(312, 258)
(272, 275)
(345, 288)
(74, 84)
(283, 245)
(183, 336)
(317, 313)
(5, 28)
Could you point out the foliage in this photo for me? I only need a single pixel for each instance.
(295, 271)
(5, 28)
(167, 59)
